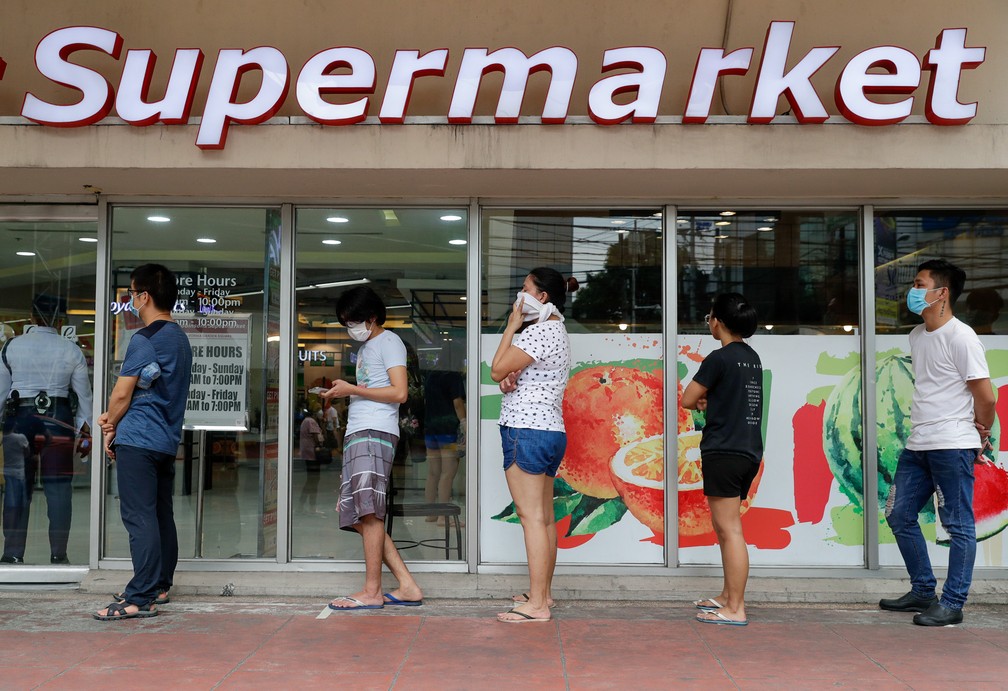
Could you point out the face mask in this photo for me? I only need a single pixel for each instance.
(535, 310)
(132, 308)
(359, 331)
(916, 302)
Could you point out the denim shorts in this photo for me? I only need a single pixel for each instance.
(440, 441)
(536, 451)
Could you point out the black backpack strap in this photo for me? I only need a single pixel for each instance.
(3, 355)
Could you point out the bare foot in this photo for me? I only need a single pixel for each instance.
(522, 598)
(723, 616)
(359, 600)
(524, 615)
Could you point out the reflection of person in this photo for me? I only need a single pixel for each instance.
(950, 421)
(444, 413)
(45, 376)
(372, 432)
(729, 386)
(984, 307)
(310, 437)
(532, 368)
(332, 427)
(142, 429)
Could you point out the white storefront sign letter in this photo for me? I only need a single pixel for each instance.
(131, 100)
(946, 61)
(902, 76)
(711, 64)
(647, 82)
(315, 80)
(406, 67)
(773, 81)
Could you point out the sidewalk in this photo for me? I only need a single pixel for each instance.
(49, 640)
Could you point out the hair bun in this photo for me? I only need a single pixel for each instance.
(572, 284)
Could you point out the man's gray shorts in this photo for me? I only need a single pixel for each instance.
(367, 464)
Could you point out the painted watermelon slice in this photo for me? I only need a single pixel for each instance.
(990, 500)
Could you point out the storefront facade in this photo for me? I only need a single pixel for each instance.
(287, 162)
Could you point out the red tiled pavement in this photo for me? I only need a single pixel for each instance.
(49, 641)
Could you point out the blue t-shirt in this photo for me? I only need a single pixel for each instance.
(154, 418)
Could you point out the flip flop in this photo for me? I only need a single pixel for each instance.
(525, 618)
(721, 619)
(117, 610)
(402, 603)
(699, 604)
(357, 605)
(522, 598)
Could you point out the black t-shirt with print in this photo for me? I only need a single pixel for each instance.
(733, 376)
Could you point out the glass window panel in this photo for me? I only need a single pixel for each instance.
(609, 493)
(47, 285)
(800, 270)
(975, 240)
(415, 259)
(226, 264)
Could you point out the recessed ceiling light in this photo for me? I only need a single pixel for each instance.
(657, 214)
(206, 241)
(25, 253)
(764, 229)
(158, 219)
(88, 239)
(722, 223)
(89, 321)
(463, 298)
(727, 213)
(332, 242)
(456, 242)
(451, 217)
(623, 326)
(618, 222)
(720, 237)
(770, 219)
(338, 219)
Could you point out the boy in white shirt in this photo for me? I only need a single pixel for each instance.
(951, 419)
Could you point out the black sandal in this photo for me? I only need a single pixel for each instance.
(161, 599)
(117, 610)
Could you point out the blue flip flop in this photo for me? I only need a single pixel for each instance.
(721, 619)
(402, 603)
(357, 605)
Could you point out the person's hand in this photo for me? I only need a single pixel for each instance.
(517, 317)
(985, 444)
(108, 438)
(701, 403)
(510, 382)
(84, 445)
(340, 389)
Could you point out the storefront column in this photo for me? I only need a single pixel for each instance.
(869, 439)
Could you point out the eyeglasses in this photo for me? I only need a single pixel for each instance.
(707, 318)
(134, 291)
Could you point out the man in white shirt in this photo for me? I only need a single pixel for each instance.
(951, 419)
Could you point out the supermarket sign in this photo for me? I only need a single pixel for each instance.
(877, 86)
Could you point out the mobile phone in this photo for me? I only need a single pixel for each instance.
(317, 390)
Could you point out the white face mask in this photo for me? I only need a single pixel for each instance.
(535, 310)
(359, 331)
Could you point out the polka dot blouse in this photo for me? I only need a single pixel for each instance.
(536, 403)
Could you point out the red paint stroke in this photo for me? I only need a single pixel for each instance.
(763, 528)
(1001, 407)
(812, 475)
(655, 539)
(569, 542)
(691, 354)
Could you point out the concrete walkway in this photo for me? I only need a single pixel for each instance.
(49, 640)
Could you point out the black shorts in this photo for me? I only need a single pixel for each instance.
(727, 474)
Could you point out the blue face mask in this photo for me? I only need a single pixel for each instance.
(916, 301)
(132, 308)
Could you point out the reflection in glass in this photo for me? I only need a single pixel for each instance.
(229, 306)
(799, 268)
(415, 259)
(47, 288)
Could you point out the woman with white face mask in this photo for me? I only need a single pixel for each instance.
(531, 365)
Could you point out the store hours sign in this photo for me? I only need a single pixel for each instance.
(218, 392)
(877, 86)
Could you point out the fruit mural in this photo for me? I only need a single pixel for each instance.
(837, 418)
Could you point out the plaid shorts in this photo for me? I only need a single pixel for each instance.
(367, 464)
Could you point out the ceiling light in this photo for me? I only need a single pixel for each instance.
(206, 241)
(657, 214)
(618, 222)
(764, 229)
(722, 223)
(338, 219)
(451, 217)
(727, 213)
(463, 298)
(272, 339)
(332, 284)
(158, 219)
(456, 242)
(848, 328)
(332, 242)
(25, 253)
(623, 327)
(88, 239)
(721, 237)
(770, 219)
(768, 327)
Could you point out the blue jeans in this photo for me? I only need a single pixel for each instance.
(146, 480)
(948, 474)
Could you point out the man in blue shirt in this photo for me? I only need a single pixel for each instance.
(142, 429)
